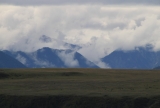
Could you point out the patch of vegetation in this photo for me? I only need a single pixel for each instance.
(3, 74)
(69, 74)
(7, 101)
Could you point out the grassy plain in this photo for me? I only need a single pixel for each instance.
(80, 82)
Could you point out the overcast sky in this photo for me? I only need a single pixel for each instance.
(62, 2)
(99, 26)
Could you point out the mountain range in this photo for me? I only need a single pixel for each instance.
(49, 58)
(140, 58)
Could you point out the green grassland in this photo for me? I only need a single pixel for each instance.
(82, 84)
(90, 82)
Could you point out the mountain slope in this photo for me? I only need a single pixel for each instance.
(47, 57)
(157, 68)
(41, 58)
(7, 61)
(139, 58)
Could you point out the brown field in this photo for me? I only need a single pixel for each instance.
(80, 82)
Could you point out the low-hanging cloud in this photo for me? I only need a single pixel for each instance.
(21, 59)
(68, 59)
(98, 29)
(39, 62)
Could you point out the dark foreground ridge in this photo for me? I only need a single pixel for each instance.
(79, 88)
(8, 101)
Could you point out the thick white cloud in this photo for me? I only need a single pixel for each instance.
(99, 29)
(68, 59)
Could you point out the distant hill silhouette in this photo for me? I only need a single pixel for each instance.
(7, 61)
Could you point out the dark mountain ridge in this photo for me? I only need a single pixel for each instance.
(140, 58)
(47, 57)
(7, 61)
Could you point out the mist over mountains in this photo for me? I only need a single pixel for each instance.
(139, 58)
(7, 61)
(52, 58)
(64, 57)
(94, 31)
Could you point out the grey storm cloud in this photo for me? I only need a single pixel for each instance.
(60, 2)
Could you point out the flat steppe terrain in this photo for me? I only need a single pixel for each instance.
(80, 82)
